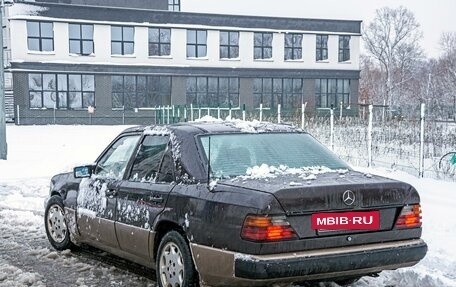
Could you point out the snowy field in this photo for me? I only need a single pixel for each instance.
(35, 153)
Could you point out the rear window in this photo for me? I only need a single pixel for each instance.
(233, 154)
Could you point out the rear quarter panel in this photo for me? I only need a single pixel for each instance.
(215, 218)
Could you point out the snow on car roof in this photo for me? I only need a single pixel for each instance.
(213, 125)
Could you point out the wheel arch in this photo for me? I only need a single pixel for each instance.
(161, 229)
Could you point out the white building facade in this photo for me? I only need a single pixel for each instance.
(129, 63)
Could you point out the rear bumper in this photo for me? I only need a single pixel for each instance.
(220, 267)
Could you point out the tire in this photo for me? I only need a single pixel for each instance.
(174, 264)
(348, 281)
(56, 227)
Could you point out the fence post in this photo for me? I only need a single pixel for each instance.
(209, 111)
(278, 114)
(173, 113)
(243, 112)
(163, 115)
(229, 111)
(303, 114)
(369, 137)
(341, 108)
(178, 113)
(18, 115)
(191, 112)
(261, 112)
(331, 137)
(422, 140)
(185, 113)
(168, 110)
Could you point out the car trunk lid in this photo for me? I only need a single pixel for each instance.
(301, 198)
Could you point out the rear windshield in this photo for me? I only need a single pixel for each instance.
(233, 154)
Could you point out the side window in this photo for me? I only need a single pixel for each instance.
(114, 162)
(149, 157)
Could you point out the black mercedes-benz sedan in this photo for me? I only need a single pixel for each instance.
(235, 204)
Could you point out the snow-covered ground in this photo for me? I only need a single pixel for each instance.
(35, 153)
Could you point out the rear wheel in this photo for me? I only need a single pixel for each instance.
(348, 281)
(174, 262)
(55, 224)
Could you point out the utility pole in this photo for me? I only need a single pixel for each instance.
(3, 146)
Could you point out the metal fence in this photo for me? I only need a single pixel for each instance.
(412, 144)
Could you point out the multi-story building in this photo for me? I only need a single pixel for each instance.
(67, 56)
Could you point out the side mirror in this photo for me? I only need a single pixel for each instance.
(83, 171)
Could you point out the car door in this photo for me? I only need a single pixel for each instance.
(96, 202)
(143, 196)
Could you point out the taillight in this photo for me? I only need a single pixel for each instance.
(267, 228)
(410, 217)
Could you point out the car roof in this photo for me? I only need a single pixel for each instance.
(219, 126)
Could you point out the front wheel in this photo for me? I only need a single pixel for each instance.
(55, 224)
(174, 262)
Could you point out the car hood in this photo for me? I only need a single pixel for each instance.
(324, 192)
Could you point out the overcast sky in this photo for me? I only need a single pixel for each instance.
(435, 16)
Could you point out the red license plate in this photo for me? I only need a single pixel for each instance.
(352, 220)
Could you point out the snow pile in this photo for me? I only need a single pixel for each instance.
(253, 126)
(13, 276)
(265, 171)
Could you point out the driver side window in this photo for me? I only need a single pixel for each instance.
(115, 160)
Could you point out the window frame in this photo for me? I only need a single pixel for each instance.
(229, 46)
(263, 46)
(174, 5)
(146, 91)
(293, 46)
(344, 50)
(123, 41)
(57, 91)
(159, 43)
(194, 96)
(274, 92)
(40, 38)
(195, 46)
(81, 40)
(321, 47)
(332, 93)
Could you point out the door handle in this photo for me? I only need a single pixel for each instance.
(111, 192)
(156, 199)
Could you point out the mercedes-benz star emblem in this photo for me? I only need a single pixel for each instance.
(348, 197)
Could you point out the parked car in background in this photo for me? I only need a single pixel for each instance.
(235, 204)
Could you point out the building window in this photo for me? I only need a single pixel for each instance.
(173, 5)
(344, 48)
(262, 45)
(131, 92)
(293, 46)
(273, 91)
(229, 44)
(220, 92)
(81, 39)
(159, 42)
(122, 40)
(331, 92)
(40, 36)
(196, 43)
(61, 91)
(322, 47)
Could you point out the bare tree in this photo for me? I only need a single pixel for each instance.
(447, 73)
(393, 38)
